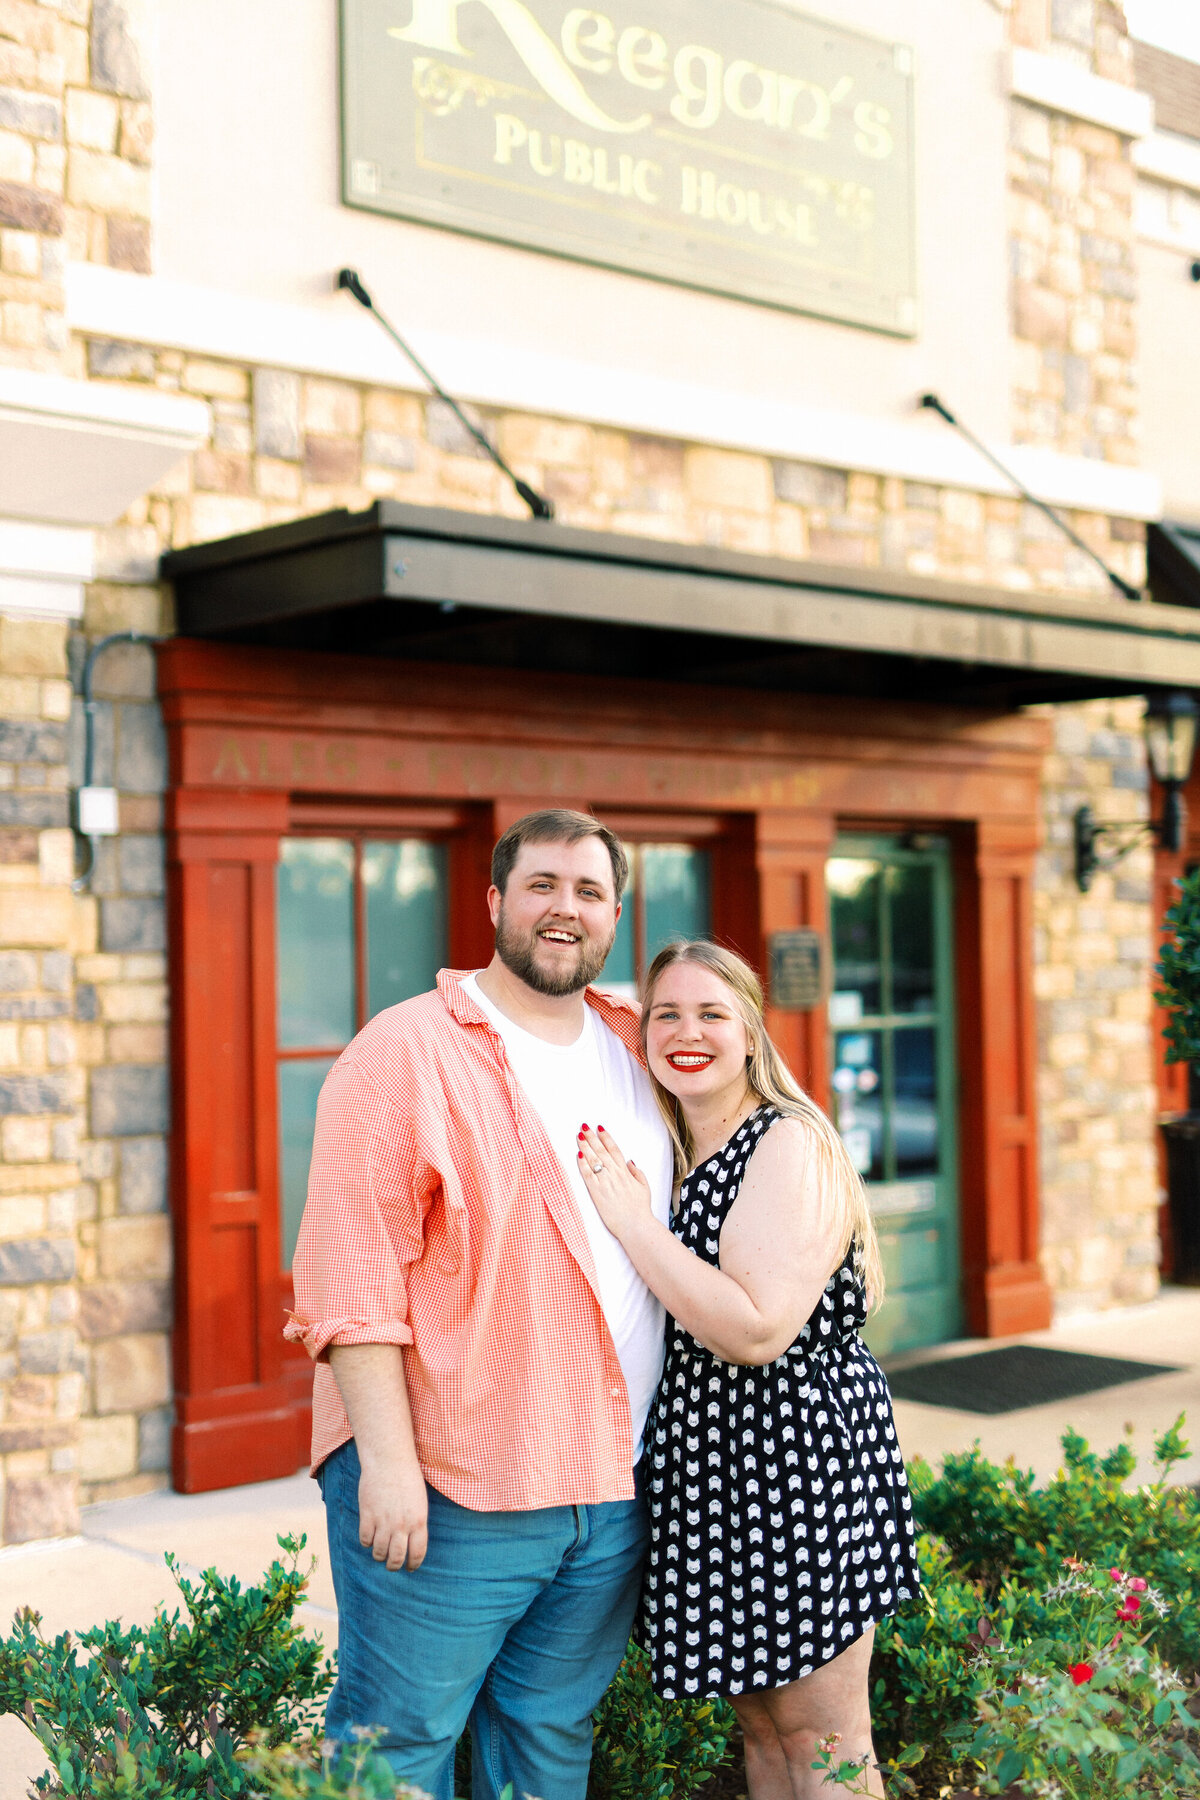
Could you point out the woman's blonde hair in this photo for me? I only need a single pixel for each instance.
(768, 1076)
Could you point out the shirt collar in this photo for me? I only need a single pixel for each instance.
(619, 1015)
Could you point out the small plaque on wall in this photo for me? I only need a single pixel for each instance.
(796, 961)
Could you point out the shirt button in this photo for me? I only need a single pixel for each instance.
(615, 1392)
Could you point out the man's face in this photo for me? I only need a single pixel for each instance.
(556, 920)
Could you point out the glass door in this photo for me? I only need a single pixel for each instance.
(360, 925)
(891, 1019)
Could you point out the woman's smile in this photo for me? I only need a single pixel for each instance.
(696, 1041)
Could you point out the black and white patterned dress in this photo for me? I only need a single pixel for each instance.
(781, 1526)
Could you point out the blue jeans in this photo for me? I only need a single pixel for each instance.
(515, 1622)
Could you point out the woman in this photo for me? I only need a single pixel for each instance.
(781, 1523)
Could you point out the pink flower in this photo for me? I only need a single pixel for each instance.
(1136, 1585)
(1080, 1672)
(1117, 1574)
(1131, 1608)
(1116, 1637)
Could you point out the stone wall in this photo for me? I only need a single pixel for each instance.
(1094, 956)
(1074, 292)
(42, 1368)
(1074, 316)
(285, 445)
(76, 139)
(124, 1245)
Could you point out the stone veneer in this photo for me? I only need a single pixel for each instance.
(1071, 190)
(84, 1244)
(1093, 979)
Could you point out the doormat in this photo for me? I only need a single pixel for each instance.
(1017, 1376)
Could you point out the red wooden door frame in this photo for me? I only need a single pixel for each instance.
(260, 739)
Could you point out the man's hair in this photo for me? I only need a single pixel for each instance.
(557, 825)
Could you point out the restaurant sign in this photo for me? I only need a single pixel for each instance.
(731, 145)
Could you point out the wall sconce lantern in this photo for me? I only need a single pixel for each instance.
(1170, 726)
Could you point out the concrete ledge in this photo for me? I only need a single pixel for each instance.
(80, 452)
(1164, 157)
(1061, 87)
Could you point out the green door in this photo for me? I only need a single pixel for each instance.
(891, 1018)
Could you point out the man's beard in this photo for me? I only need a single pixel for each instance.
(517, 953)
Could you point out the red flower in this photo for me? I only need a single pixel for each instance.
(1131, 1608)
(1080, 1672)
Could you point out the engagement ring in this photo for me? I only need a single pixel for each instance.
(596, 1168)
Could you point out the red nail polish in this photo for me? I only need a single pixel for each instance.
(599, 1128)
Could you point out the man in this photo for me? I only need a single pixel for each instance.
(486, 1353)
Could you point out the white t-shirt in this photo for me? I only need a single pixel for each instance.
(596, 1081)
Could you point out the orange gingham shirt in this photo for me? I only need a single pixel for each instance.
(439, 1218)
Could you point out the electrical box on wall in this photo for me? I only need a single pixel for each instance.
(96, 812)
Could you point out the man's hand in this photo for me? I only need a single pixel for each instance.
(393, 1505)
(393, 1510)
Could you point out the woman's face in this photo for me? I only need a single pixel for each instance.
(696, 1042)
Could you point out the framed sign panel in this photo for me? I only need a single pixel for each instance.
(732, 145)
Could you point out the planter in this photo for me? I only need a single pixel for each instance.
(1182, 1136)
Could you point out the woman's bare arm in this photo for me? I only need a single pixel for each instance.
(779, 1246)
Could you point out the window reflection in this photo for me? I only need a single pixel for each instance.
(405, 886)
(667, 897)
(359, 926)
(853, 885)
(315, 942)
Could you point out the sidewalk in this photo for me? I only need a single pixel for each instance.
(114, 1569)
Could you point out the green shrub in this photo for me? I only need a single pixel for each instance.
(1087, 1712)
(1084, 1712)
(1179, 972)
(647, 1748)
(924, 1679)
(992, 1541)
(304, 1771)
(999, 1526)
(160, 1710)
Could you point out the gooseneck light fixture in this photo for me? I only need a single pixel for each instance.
(1170, 727)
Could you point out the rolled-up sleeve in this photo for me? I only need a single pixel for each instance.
(363, 1220)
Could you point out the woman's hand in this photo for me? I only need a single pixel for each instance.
(618, 1188)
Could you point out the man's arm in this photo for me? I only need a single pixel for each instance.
(392, 1502)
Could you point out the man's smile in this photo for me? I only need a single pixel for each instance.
(557, 934)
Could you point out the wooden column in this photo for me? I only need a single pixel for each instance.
(233, 1419)
(1006, 1290)
(791, 850)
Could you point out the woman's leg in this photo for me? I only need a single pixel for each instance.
(783, 1727)
(767, 1776)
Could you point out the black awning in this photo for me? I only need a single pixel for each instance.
(1173, 559)
(428, 584)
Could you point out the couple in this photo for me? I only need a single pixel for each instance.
(501, 1205)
